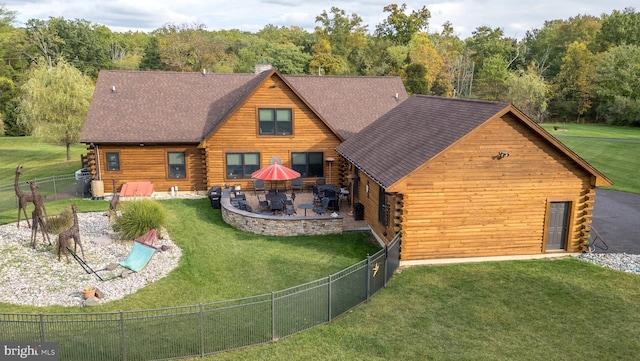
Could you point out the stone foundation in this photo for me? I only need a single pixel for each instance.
(277, 225)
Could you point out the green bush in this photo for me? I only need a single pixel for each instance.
(60, 222)
(138, 217)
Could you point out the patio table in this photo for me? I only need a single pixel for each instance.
(305, 206)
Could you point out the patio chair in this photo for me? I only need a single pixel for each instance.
(323, 208)
(320, 181)
(316, 195)
(288, 209)
(332, 199)
(262, 204)
(259, 185)
(291, 201)
(297, 184)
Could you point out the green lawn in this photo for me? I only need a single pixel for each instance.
(521, 310)
(618, 160)
(37, 159)
(592, 131)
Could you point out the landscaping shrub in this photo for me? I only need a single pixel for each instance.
(138, 217)
(60, 222)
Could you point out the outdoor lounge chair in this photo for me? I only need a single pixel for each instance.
(139, 256)
(141, 252)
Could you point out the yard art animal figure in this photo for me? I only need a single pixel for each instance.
(38, 217)
(23, 197)
(115, 200)
(72, 233)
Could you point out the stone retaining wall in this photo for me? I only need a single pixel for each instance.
(277, 225)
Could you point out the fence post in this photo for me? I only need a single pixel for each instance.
(201, 331)
(329, 300)
(124, 346)
(55, 193)
(386, 264)
(42, 328)
(366, 286)
(273, 316)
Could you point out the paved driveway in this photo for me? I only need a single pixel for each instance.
(616, 216)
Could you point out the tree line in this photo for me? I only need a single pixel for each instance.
(582, 69)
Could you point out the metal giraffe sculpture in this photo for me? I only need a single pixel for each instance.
(72, 233)
(23, 197)
(38, 216)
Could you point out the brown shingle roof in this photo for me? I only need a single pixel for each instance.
(412, 133)
(350, 103)
(163, 107)
(172, 107)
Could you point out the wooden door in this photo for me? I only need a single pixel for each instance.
(557, 226)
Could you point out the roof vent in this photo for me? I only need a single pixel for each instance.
(204, 72)
(113, 89)
(396, 96)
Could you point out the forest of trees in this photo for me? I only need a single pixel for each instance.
(581, 69)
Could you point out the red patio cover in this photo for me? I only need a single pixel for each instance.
(275, 172)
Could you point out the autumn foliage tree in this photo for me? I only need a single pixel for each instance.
(575, 79)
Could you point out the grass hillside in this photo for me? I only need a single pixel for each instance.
(37, 159)
(612, 150)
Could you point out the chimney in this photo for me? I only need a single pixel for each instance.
(259, 68)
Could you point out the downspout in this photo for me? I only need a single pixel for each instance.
(98, 162)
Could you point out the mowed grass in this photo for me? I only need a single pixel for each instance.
(521, 310)
(592, 131)
(616, 158)
(37, 159)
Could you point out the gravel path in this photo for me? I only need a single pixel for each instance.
(35, 276)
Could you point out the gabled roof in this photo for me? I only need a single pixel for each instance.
(420, 128)
(174, 107)
(162, 107)
(350, 103)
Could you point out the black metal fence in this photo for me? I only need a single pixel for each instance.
(51, 188)
(204, 329)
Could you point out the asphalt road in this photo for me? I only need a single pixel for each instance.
(616, 217)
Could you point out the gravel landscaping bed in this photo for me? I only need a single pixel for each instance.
(35, 276)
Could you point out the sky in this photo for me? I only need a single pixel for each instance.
(515, 17)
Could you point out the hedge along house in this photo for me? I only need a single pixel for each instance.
(464, 178)
(193, 130)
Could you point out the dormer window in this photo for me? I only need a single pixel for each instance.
(275, 121)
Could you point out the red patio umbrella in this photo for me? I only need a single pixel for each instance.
(275, 172)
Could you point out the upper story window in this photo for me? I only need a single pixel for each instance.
(113, 161)
(274, 121)
(308, 164)
(177, 165)
(241, 165)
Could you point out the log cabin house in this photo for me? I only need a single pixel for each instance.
(468, 178)
(455, 178)
(192, 131)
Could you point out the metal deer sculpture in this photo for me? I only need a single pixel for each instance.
(38, 216)
(72, 233)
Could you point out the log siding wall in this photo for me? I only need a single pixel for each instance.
(240, 134)
(466, 202)
(149, 163)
